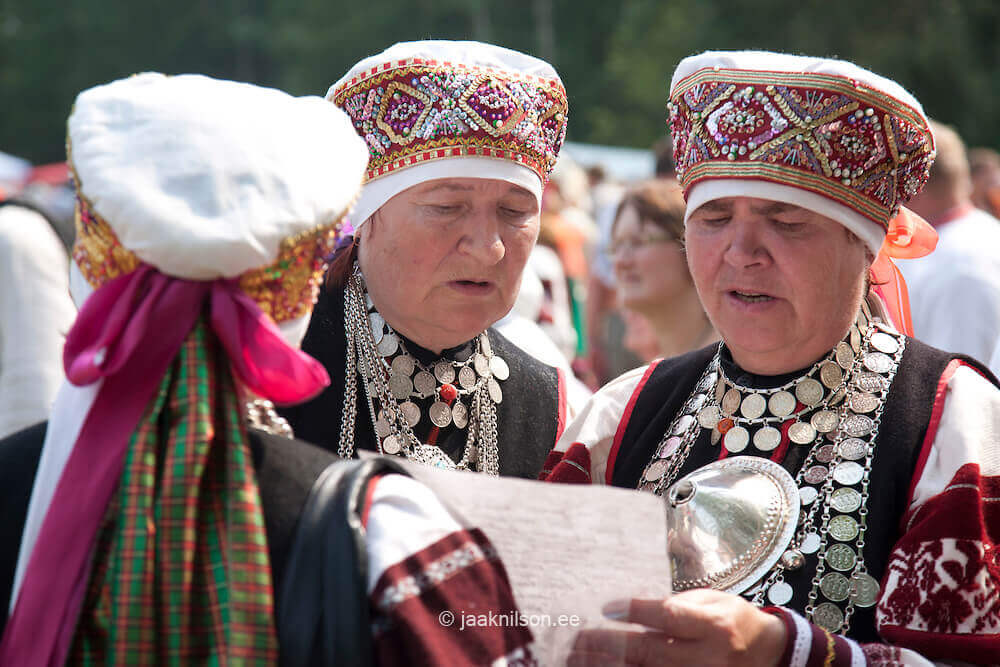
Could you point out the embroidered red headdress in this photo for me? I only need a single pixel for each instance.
(425, 103)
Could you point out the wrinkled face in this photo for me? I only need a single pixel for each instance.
(443, 259)
(781, 284)
(650, 269)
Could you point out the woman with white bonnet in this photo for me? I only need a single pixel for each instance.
(462, 137)
(831, 483)
(158, 522)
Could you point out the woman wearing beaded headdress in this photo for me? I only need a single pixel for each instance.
(159, 522)
(462, 137)
(818, 463)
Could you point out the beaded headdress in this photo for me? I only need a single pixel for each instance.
(823, 134)
(438, 109)
(215, 205)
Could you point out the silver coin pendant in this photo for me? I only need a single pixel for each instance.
(493, 387)
(444, 371)
(440, 414)
(781, 404)
(467, 377)
(411, 413)
(460, 414)
(424, 383)
(736, 439)
(809, 391)
(779, 593)
(829, 617)
(767, 439)
(499, 368)
(753, 406)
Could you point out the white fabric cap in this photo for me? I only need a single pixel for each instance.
(203, 178)
(378, 191)
(720, 188)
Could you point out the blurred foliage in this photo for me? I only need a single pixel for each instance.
(615, 58)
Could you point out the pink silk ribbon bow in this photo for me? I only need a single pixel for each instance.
(127, 333)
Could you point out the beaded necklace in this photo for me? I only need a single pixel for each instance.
(844, 410)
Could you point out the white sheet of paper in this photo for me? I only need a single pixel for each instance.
(568, 549)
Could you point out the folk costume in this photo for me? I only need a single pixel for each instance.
(875, 539)
(430, 110)
(205, 212)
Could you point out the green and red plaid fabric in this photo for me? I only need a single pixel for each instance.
(181, 573)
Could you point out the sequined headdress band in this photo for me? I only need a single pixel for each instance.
(416, 110)
(834, 136)
(284, 289)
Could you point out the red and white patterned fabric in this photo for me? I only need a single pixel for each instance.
(438, 592)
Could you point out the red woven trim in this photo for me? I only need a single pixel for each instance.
(369, 496)
(820, 648)
(561, 415)
(786, 620)
(430, 155)
(773, 173)
(623, 424)
(931, 435)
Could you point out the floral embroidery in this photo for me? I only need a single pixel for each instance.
(944, 587)
(882, 655)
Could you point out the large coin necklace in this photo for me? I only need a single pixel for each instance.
(392, 378)
(835, 410)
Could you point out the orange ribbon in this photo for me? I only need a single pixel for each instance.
(909, 237)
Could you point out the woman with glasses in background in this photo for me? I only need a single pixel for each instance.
(662, 313)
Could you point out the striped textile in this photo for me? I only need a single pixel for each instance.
(181, 573)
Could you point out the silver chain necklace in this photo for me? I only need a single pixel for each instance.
(371, 342)
(834, 477)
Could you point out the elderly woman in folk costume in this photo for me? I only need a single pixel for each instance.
(462, 137)
(817, 463)
(158, 522)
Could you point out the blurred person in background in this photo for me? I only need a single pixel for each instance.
(35, 313)
(955, 291)
(568, 229)
(619, 340)
(651, 273)
(984, 167)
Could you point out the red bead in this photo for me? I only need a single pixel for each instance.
(448, 393)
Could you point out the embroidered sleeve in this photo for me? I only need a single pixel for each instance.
(581, 454)
(439, 593)
(941, 593)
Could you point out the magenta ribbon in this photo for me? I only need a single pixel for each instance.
(127, 333)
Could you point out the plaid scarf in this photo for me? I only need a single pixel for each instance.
(181, 573)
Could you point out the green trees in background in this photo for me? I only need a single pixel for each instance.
(615, 57)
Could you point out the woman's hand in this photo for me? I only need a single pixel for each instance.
(697, 627)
